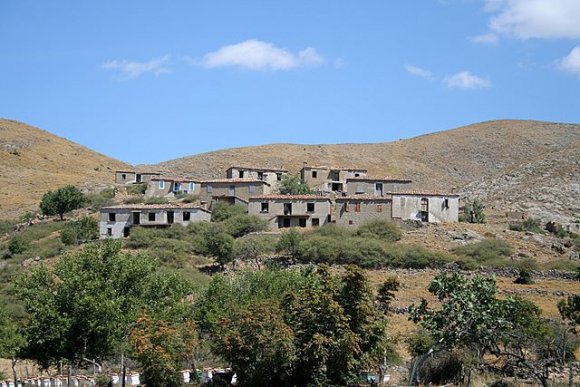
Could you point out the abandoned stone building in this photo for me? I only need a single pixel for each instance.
(233, 191)
(166, 186)
(130, 177)
(430, 207)
(374, 186)
(282, 211)
(354, 211)
(329, 179)
(272, 176)
(117, 221)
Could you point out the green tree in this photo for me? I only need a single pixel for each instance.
(570, 309)
(62, 200)
(219, 245)
(252, 249)
(240, 225)
(83, 230)
(381, 229)
(11, 339)
(85, 306)
(289, 243)
(221, 211)
(387, 291)
(471, 317)
(293, 185)
(474, 212)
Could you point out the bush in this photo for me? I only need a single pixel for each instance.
(221, 211)
(136, 189)
(156, 200)
(484, 251)
(134, 200)
(187, 198)
(240, 225)
(96, 201)
(18, 245)
(524, 278)
(473, 212)
(420, 343)
(381, 229)
(333, 231)
(83, 230)
(7, 226)
(445, 368)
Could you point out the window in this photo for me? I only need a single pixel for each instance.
(357, 207)
(315, 174)
(241, 174)
(251, 188)
(176, 187)
(309, 207)
(191, 187)
(350, 222)
(379, 208)
(265, 207)
(209, 189)
(186, 216)
(112, 217)
(424, 204)
(445, 204)
(315, 222)
(279, 176)
(346, 207)
(260, 175)
(109, 231)
(357, 175)
(161, 184)
(302, 222)
(124, 177)
(152, 216)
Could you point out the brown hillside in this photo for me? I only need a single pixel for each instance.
(33, 161)
(448, 160)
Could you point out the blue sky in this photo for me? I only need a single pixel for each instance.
(148, 81)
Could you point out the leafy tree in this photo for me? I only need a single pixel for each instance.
(252, 249)
(387, 292)
(472, 317)
(474, 212)
(161, 346)
(84, 307)
(83, 230)
(570, 309)
(219, 244)
(18, 245)
(221, 211)
(61, 201)
(289, 243)
(11, 339)
(293, 185)
(240, 225)
(524, 278)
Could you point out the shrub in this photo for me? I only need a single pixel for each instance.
(532, 225)
(136, 189)
(420, 343)
(7, 226)
(96, 201)
(486, 250)
(445, 368)
(156, 200)
(18, 245)
(293, 185)
(240, 225)
(524, 278)
(222, 211)
(83, 230)
(473, 212)
(187, 198)
(134, 200)
(381, 229)
(334, 231)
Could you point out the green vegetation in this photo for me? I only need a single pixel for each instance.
(293, 185)
(136, 189)
(61, 201)
(80, 231)
(486, 252)
(139, 199)
(473, 212)
(511, 329)
(530, 224)
(95, 201)
(156, 200)
(524, 278)
(380, 229)
(187, 198)
(221, 211)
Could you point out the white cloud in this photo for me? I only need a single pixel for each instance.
(130, 69)
(525, 19)
(571, 62)
(467, 81)
(485, 38)
(418, 71)
(258, 55)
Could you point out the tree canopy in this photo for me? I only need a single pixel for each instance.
(61, 201)
(293, 185)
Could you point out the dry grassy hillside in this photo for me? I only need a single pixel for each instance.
(33, 161)
(445, 160)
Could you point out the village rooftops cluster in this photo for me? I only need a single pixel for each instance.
(341, 195)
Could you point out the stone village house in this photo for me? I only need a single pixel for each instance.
(329, 179)
(282, 211)
(133, 177)
(117, 221)
(169, 187)
(234, 191)
(272, 176)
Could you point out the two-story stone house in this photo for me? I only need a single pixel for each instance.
(170, 186)
(283, 211)
(130, 177)
(364, 185)
(272, 176)
(431, 207)
(329, 179)
(233, 191)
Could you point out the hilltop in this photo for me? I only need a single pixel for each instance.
(480, 160)
(33, 161)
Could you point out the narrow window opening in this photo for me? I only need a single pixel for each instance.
(186, 216)
(112, 217)
(309, 207)
(152, 216)
(265, 207)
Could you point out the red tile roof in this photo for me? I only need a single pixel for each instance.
(233, 181)
(166, 206)
(268, 169)
(363, 197)
(422, 193)
(385, 178)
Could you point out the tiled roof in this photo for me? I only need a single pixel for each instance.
(384, 178)
(176, 179)
(289, 197)
(166, 206)
(422, 193)
(334, 168)
(234, 181)
(140, 172)
(256, 168)
(364, 197)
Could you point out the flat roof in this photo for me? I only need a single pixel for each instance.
(423, 193)
(255, 168)
(382, 179)
(289, 197)
(363, 197)
(140, 172)
(166, 206)
(335, 168)
(233, 181)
